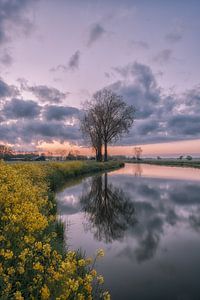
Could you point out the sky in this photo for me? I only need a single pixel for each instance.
(55, 54)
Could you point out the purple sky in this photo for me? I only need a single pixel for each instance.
(55, 54)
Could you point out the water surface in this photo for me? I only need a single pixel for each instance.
(147, 218)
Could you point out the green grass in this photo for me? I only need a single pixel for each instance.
(171, 163)
(59, 173)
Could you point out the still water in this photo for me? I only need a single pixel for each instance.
(147, 218)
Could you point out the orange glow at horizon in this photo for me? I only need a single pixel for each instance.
(191, 147)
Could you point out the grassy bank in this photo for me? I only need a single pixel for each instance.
(172, 163)
(33, 262)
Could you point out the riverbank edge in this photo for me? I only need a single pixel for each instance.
(59, 176)
(183, 164)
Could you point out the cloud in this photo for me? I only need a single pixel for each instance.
(26, 121)
(184, 125)
(52, 130)
(138, 87)
(74, 61)
(47, 94)
(159, 117)
(191, 100)
(96, 32)
(147, 127)
(173, 37)
(72, 65)
(107, 75)
(163, 56)
(18, 108)
(12, 18)
(7, 90)
(5, 58)
(176, 33)
(34, 131)
(54, 112)
(140, 44)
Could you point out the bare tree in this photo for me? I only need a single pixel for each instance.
(109, 118)
(138, 152)
(91, 130)
(5, 150)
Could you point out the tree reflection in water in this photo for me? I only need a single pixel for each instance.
(109, 211)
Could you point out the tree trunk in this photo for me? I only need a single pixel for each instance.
(96, 154)
(105, 151)
(99, 153)
(105, 188)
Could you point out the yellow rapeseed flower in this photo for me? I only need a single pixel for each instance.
(100, 279)
(45, 293)
(100, 253)
(81, 263)
(18, 296)
(106, 295)
(93, 273)
(8, 254)
(38, 267)
(46, 250)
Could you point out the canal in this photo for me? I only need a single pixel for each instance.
(147, 219)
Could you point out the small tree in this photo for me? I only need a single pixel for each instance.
(189, 157)
(138, 152)
(5, 151)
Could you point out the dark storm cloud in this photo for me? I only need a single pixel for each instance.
(184, 125)
(140, 89)
(159, 117)
(163, 56)
(142, 74)
(12, 18)
(25, 121)
(72, 65)
(51, 130)
(27, 131)
(96, 32)
(148, 127)
(191, 99)
(1, 119)
(47, 94)
(7, 90)
(54, 112)
(18, 108)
